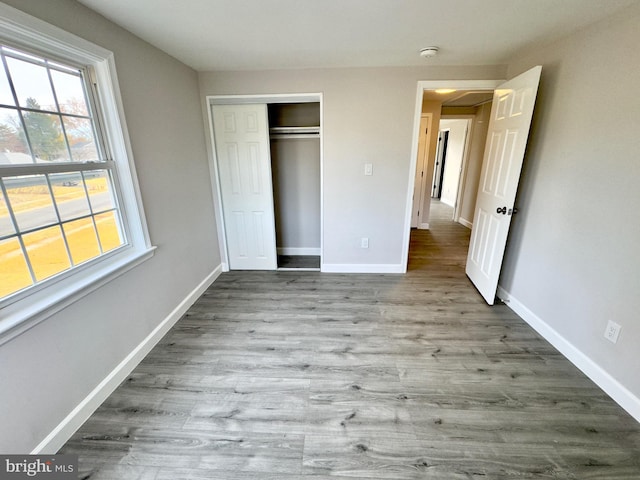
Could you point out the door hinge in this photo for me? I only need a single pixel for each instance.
(421, 174)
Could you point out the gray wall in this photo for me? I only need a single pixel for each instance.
(48, 370)
(295, 165)
(573, 254)
(368, 118)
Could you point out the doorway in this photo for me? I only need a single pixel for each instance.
(419, 212)
(441, 160)
(508, 128)
(450, 171)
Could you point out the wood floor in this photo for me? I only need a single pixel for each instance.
(287, 375)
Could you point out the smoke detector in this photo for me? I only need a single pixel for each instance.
(429, 52)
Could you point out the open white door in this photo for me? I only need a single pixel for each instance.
(507, 135)
(241, 135)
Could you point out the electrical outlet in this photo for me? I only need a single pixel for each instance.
(612, 331)
(368, 169)
(364, 243)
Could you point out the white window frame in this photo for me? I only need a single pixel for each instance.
(42, 300)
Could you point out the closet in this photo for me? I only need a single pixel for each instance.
(294, 138)
(268, 160)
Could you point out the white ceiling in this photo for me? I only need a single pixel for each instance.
(270, 34)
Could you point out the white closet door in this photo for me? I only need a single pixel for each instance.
(244, 166)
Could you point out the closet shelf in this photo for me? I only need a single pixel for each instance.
(294, 131)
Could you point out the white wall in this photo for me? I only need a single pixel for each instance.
(368, 118)
(573, 256)
(47, 371)
(453, 163)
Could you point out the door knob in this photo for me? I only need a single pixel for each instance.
(502, 210)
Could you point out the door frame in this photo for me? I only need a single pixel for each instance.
(213, 160)
(423, 85)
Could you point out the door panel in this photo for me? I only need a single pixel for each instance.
(511, 114)
(244, 166)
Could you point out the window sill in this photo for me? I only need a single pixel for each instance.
(26, 313)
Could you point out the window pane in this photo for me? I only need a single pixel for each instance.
(109, 231)
(6, 97)
(81, 139)
(13, 145)
(70, 196)
(14, 273)
(30, 199)
(82, 240)
(70, 93)
(45, 136)
(46, 252)
(6, 226)
(100, 190)
(32, 85)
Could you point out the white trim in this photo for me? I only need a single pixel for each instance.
(618, 392)
(215, 185)
(213, 160)
(465, 222)
(362, 268)
(36, 33)
(424, 226)
(430, 85)
(67, 427)
(298, 251)
(264, 98)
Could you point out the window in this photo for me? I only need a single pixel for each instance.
(58, 206)
(70, 215)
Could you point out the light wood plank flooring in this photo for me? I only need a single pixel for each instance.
(285, 375)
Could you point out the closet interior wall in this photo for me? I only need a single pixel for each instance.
(295, 164)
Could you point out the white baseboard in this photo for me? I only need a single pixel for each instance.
(298, 251)
(465, 222)
(362, 268)
(424, 226)
(65, 429)
(618, 392)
